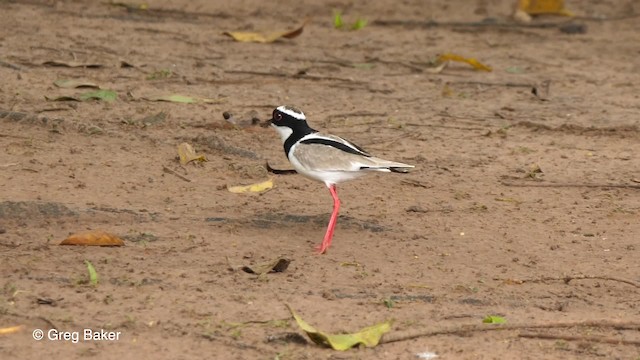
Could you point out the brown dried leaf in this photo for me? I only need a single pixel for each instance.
(11, 329)
(273, 266)
(93, 238)
(188, 154)
(71, 64)
(265, 37)
(471, 61)
(539, 7)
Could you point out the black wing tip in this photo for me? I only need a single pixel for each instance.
(402, 170)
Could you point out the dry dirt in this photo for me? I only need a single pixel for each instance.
(475, 230)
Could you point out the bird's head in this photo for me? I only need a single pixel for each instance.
(288, 120)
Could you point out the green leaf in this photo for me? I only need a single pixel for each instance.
(93, 275)
(492, 319)
(388, 302)
(359, 24)
(104, 95)
(369, 336)
(337, 20)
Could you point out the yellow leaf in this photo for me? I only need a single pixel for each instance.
(93, 238)
(369, 336)
(188, 154)
(539, 7)
(256, 188)
(10, 330)
(265, 37)
(471, 61)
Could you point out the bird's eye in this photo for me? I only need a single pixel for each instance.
(277, 116)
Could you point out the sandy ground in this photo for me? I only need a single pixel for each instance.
(520, 206)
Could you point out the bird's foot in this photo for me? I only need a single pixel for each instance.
(322, 248)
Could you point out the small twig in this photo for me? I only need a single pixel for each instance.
(445, 126)
(294, 76)
(358, 114)
(172, 172)
(10, 65)
(466, 329)
(599, 339)
(567, 279)
(483, 83)
(416, 183)
(475, 24)
(556, 185)
(279, 171)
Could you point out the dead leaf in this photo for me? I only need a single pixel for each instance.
(176, 98)
(93, 238)
(533, 171)
(253, 188)
(130, 6)
(273, 266)
(471, 61)
(513, 281)
(521, 17)
(540, 7)
(437, 68)
(541, 91)
(103, 95)
(265, 37)
(75, 83)
(11, 329)
(62, 98)
(129, 64)
(188, 154)
(71, 64)
(369, 336)
(280, 171)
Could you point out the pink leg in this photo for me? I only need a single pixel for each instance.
(332, 222)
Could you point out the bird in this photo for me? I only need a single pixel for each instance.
(326, 158)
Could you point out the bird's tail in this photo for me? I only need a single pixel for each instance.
(385, 165)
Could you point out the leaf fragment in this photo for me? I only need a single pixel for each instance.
(103, 95)
(182, 99)
(265, 37)
(93, 238)
(273, 266)
(11, 329)
(253, 188)
(369, 336)
(471, 61)
(62, 98)
(93, 274)
(75, 83)
(188, 154)
(359, 24)
(71, 64)
(338, 23)
(540, 7)
(130, 6)
(493, 319)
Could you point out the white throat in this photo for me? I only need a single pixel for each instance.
(284, 131)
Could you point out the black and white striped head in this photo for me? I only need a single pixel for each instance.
(288, 120)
